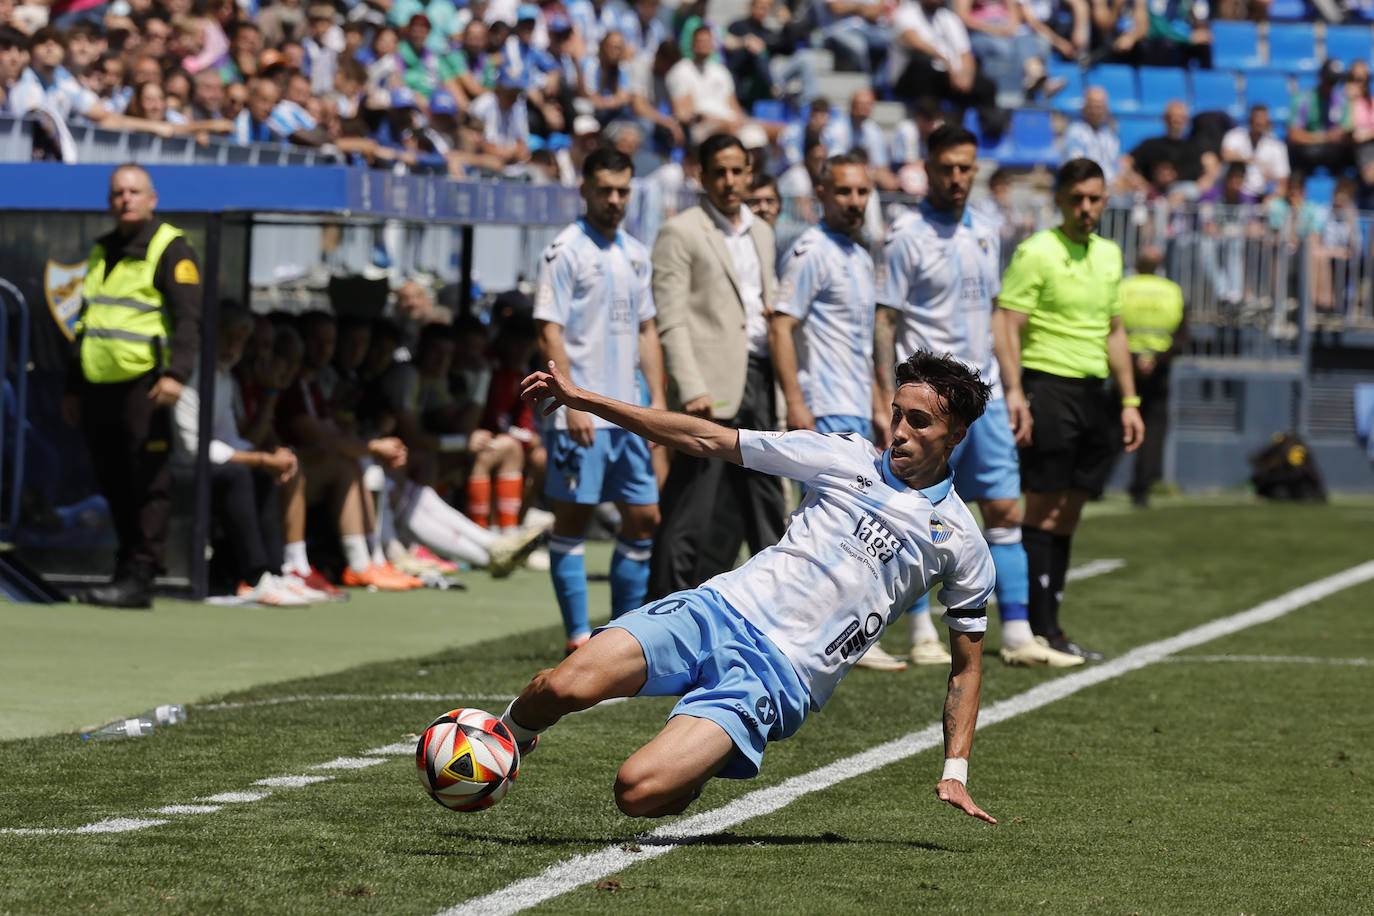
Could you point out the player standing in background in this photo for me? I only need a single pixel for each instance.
(825, 292)
(754, 650)
(943, 264)
(1059, 333)
(594, 313)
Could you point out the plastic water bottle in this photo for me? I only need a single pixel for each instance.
(136, 727)
(166, 714)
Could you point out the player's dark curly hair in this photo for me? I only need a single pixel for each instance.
(960, 389)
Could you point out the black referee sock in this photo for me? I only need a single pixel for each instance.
(1039, 559)
(1059, 569)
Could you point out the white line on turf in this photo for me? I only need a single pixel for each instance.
(235, 798)
(354, 697)
(1275, 659)
(187, 809)
(348, 763)
(566, 875)
(290, 782)
(1094, 568)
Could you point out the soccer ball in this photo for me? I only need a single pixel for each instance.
(467, 759)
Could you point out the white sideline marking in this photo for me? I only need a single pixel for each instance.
(110, 825)
(1273, 659)
(400, 748)
(348, 763)
(1093, 568)
(187, 809)
(235, 798)
(564, 876)
(354, 697)
(290, 782)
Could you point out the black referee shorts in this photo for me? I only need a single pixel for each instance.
(1076, 429)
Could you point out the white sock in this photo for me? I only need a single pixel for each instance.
(1016, 633)
(356, 552)
(521, 733)
(922, 630)
(295, 560)
(443, 529)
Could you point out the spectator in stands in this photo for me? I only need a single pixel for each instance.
(931, 55)
(1014, 224)
(702, 90)
(323, 45)
(761, 61)
(538, 69)
(281, 22)
(1317, 136)
(105, 78)
(85, 44)
(1063, 25)
(1295, 222)
(245, 47)
(472, 50)
(1361, 120)
(652, 102)
(506, 413)
(149, 103)
(1336, 281)
(156, 33)
(235, 102)
(1228, 226)
(1176, 33)
(382, 59)
(1093, 136)
(605, 80)
(857, 31)
(791, 141)
(592, 19)
(1195, 168)
(146, 69)
(423, 69)
(763, 200)
(14, 58)
(644, 31)
(251, 125)
(1109, 41)
(798, 182)
(505, 120)
(1264, 155)
(860, 131)
(909, 144)
(207, 96)
(1004, 46)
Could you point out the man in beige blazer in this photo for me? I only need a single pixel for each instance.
(714, 283)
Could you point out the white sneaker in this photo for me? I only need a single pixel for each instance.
(929, 652)
(297, 586)
(509, 550)
(878, 659)
(537, 518)
(271, 592)
(1036, 653)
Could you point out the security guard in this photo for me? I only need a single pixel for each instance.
(138, 339)
(1152, 312)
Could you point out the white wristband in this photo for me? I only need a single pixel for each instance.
(956, 768)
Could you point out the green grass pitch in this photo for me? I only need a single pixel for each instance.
(1233, 777)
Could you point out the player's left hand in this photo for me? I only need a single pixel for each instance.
(165, 392)
(956, 793)
(551, 384)
(1132, 428)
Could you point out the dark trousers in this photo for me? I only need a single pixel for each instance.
(696, 540)
(247, 507)
(1154, 410)
(129, 438)
(920, 78)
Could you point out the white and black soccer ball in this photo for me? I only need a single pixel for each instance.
(467, 759)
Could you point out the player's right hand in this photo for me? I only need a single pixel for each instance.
(799, 417)
(699, 406)
(1019, 414)
(581, 428)
(956, 793)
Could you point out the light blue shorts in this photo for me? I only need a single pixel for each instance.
(985, 464)
(699, 648)
(616, 467)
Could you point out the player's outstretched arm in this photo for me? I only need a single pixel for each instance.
(961, 716)
(692, 435)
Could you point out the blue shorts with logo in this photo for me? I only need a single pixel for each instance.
(616, 467)
(985, 464)
(699, 648)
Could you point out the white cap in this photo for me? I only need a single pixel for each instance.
(585, 124)
(753, 136)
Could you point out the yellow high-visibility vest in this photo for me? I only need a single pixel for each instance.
(124, 328)
(1151, 311)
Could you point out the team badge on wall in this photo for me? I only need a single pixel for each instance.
(62, 285)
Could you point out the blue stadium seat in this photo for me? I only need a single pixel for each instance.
(770, 110)
(1159, 86)
(1271, 89)
(1235, 46)
(1132, 129)
(1069, 99)
(1288, 11)
(1119, 80)
(1348, 43)
(1319, 188)
(1216, 90)
(1293, 47)
(1030, 141)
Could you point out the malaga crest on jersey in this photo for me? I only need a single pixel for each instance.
(939, 531)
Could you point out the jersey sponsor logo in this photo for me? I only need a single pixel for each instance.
(861, 483)
(855, 637)
(939, 531)
(877, 540)
(666, 606)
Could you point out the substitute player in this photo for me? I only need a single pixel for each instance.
(1060, 333)
(825, 296)
(943, 273)
(594, 313)
(753, 650)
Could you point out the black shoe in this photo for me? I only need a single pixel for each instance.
(133, 593)
(1062, 643)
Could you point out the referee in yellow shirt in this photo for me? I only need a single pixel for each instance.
(1058, 321)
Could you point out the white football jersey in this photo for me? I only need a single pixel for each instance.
(859, 551)
(942, 276)
(598, 291)
(826, 282)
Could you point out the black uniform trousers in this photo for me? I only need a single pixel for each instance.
(129, 438)
(696, 540)
(1154, 410)
(247, 508)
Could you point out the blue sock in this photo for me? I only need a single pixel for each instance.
(568, 567)
(921, 606)
(629, 575)
(1013, 573)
